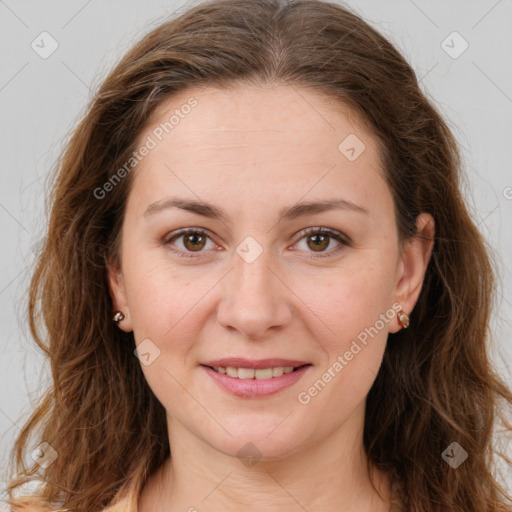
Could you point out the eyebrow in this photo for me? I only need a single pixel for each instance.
(214, 212)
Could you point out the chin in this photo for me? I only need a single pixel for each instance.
(257, 445)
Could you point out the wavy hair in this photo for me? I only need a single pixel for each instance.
(436, 384)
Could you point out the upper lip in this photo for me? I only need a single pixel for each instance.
(240, 362)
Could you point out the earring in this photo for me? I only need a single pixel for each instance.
(118, 317)
(403, 318)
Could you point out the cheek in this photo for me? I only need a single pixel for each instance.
(350, 299)
(355, 303)
(167, 306)
(353, 355)
(155, 292)
(163, 309)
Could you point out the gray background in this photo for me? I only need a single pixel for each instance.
(42, 99)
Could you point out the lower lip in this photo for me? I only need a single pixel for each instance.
(254, 388)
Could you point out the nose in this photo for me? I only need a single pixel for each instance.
(256, 301)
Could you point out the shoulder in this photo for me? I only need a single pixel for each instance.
(125, 501)
(123, 505)
(30, 504)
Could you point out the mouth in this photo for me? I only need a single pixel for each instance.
(255, 373)
(260, 382)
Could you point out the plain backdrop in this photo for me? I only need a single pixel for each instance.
(43, 95)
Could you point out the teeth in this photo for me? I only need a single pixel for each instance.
(277, 372)
(232, 372)
(262, 373)
(244, 373)
(251, 373)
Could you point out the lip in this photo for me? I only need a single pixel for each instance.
(240, 362)
(255, 388)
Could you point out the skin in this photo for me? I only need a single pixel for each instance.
(252, 151)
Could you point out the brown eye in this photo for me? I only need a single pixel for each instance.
(194, 241)
(319, 239)
(319, 242)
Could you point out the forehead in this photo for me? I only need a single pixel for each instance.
(262, 143)
(245, 112)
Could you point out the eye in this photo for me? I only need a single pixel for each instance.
(194, 240)
(318, 239)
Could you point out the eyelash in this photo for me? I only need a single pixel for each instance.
(343, 240)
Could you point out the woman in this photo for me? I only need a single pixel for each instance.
(261, 287)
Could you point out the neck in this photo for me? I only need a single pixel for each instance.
(330, 476)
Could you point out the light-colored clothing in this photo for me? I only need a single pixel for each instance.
(126, 502)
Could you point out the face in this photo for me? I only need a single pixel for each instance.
(259, 275)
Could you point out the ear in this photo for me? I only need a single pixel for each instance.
(117, 292)
(413, 265)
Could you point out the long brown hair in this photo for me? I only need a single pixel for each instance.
(436, 385)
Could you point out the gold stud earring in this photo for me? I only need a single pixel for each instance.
(403, 318)
(118, 317)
